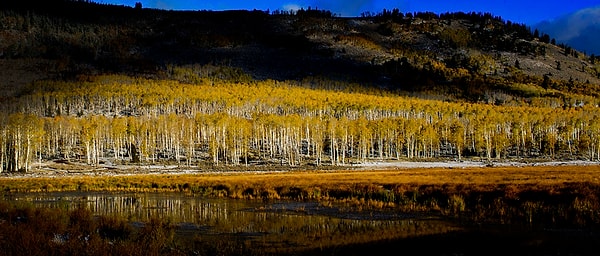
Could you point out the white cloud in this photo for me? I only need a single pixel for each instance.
(291, 6)
(579, 29)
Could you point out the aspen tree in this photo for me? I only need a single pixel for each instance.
(15, 124)
(25, 132)
(518, 134)
(188, 137)
(585, 142)
(364, 138)
(118, 133)
(3, 141)
(219, 144)
(549, 135)
(457, 137)
(594, 134)
(500, 140)
(398, 138)
(333, 141)
(244, 137)
(292, 128)
(101, 136)
(69, 135)
(411, 127)
(429, 140)
(487, 133)
(51, 139)
(379, 129)
(87, 135)
(133, 128)
(35, 133)
(318, 138)
(232, 140)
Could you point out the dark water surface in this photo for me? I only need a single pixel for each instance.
(286, 227)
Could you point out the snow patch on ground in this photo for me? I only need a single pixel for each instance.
(409, 165)
(465, 164)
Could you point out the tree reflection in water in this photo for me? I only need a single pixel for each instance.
(272, 226)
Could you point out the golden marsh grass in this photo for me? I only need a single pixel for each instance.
(532, 176)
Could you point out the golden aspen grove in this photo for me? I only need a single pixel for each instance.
(218, 122)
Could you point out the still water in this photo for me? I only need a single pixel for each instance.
(281, 225)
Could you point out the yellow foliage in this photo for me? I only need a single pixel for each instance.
(221, 122)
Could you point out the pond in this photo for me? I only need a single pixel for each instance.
(291, 227)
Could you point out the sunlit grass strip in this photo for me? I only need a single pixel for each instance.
(541, 176)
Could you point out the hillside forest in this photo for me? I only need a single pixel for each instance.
(121, 86)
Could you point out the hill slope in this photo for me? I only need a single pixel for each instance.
(443, 55)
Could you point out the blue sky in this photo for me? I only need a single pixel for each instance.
(522, 11)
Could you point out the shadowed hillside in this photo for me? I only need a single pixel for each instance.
(458, 56)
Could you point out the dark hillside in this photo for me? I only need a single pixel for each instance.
(457, 56)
